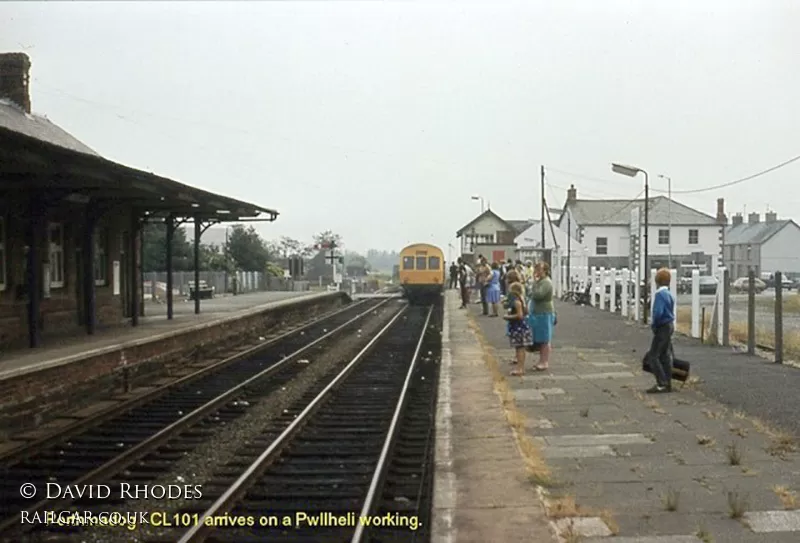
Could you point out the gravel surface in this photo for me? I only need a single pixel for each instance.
(200, 464)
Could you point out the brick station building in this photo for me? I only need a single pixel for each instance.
(70, 224)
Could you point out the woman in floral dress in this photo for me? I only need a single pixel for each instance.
(519, 332)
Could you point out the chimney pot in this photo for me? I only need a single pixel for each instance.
(753, 218)
(572, 193)
(14, 79)
(721, 218)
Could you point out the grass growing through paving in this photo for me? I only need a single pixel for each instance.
(538, 471)
(738, 332)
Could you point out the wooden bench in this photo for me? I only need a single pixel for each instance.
(205, 291)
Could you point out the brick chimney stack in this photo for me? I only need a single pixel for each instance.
(15, 79)
(737, 219)
(572, 194)
(771, 216)
(721, 218)
(753, 218)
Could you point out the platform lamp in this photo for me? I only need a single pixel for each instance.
(633, 171)
(476, 197)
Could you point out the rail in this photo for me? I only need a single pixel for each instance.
(119, 462)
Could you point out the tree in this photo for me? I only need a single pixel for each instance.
(289, 247)
(212, 258)
(247, 249)
(154, 254)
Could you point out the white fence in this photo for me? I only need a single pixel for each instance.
(155, 283)
(620, 291)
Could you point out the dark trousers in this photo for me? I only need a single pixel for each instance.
(484, 303)
(464, 295)
(453, 282)
(503, 286)
(660, 354)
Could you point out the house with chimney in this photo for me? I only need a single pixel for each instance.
(678, 234)
(71, 221)
(767, 245)
(491, 236)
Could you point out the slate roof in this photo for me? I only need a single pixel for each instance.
(754, 233)
(520, 226)
(618, 212)
(14, 118)
(514, 226)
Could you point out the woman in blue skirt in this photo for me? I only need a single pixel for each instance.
(542, 315)
(493, 290)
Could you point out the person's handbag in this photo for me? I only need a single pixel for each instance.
(680, 368)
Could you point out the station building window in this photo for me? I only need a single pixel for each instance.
(56, 237)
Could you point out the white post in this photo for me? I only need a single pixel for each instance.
(673, 287)
(593, 280)
(652, 289)
(602, 283)
(696, 303)
(612, 279)
(637, 303)
(720, 304)
(626, 281)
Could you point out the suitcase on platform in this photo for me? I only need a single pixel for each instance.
(680, 368)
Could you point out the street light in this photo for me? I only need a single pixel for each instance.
(669, 214)
(632, 171)
(476, 197)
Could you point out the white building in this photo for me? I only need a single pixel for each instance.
(491, 236)
(768, 246)
(569, 255)
(676, 232)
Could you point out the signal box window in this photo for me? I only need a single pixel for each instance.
(422, 263)
(433, 263)
(601, 246)
(408, 262)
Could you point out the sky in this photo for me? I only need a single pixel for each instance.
(380, 120)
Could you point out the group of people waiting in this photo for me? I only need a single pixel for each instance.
(526, 294)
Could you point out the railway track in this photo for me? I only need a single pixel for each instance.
(357, 446)
(105, 446)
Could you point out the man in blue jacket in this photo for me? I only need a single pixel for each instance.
(663, 325)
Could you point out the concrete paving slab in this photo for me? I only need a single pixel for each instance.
(583, 526)
(608, 364)
(653, 539)
(773, 521)
(578, 452)
(595, 439)
(608, 375)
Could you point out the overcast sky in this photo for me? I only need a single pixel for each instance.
(379, 120)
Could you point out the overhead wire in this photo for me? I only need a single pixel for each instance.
(691, 191)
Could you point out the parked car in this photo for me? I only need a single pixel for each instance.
(743, 284)
(708, 284)
(786, 283)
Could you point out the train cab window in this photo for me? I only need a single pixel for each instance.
(408, 262)
(422, 263)
(433, 263)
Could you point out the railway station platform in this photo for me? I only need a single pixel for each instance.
(597, 459)
(34, 381)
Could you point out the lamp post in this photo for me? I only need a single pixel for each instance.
(669, 214)
(632, 171)
(476, 197)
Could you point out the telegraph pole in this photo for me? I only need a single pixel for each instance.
(543, 205)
